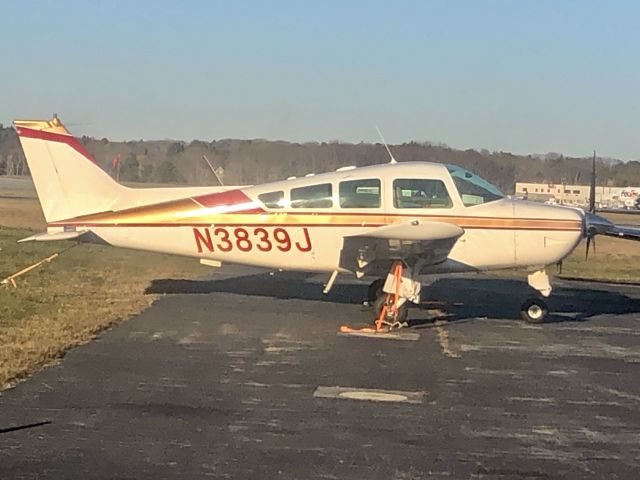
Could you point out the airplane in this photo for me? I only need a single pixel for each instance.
(392, 222)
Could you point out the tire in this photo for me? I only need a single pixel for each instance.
(375, 290)
(534, 310)
(403, 311)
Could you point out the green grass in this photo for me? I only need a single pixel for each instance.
(18, 304)
(624, 268)
(67, 302)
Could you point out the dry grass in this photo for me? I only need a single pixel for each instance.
(21, 213)
(615, 261)
(67, 302)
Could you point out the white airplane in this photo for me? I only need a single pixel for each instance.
(391, 222)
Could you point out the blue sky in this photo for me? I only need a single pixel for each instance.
(521, 76)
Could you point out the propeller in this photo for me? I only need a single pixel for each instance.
(590, 231)
(590, 238)
(592, 190)
(596, 225)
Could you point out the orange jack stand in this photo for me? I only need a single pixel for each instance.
(388, 317)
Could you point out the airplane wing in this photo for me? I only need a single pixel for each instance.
(427, 242)
(414, 231)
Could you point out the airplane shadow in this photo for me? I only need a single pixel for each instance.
(457, 299)
(300, 286)
(450, 298)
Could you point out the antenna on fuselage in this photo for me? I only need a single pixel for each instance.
(393, 160)
(204, 157)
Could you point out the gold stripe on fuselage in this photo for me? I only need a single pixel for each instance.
(188, 213)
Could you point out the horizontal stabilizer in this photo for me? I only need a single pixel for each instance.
(53, 237)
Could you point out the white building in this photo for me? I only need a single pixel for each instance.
(564, 194)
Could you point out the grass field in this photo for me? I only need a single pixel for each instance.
(91, 287)
(65, 303)
(615, 260)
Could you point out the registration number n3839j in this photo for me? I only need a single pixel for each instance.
(227, 239)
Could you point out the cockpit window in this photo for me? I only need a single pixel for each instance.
(360, 193)
(473, 190)
(420, 193)
(313, 196)
(272, 199)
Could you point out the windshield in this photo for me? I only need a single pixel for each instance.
(473, 189)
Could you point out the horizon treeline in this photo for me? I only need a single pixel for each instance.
(245, 162)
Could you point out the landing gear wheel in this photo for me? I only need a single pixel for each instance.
(534, 310)
(403, 310)
(375, 290)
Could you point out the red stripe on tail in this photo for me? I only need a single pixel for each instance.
(58, 138)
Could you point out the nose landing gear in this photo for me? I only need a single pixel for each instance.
(535, 310)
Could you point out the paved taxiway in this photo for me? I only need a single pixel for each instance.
(218, 380)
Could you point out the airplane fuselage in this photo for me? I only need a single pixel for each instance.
(300, 224)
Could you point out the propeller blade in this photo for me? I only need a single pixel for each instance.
(594, 245)
(586, 253)
(592, 190)
(559, 267)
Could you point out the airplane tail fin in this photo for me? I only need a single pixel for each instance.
(68, 180)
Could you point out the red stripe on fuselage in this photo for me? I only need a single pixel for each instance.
(232, 198)
(58, 138)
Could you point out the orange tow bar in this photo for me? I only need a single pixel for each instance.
(388, 316)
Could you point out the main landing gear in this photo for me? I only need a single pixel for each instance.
(388, 297)
(390, 309)
(377, 299)
(535, 309)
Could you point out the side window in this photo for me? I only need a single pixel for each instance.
(420, 193)
(272, 199)
(360, 193)
(313, 196)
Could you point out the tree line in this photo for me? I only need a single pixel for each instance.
(247, 162)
